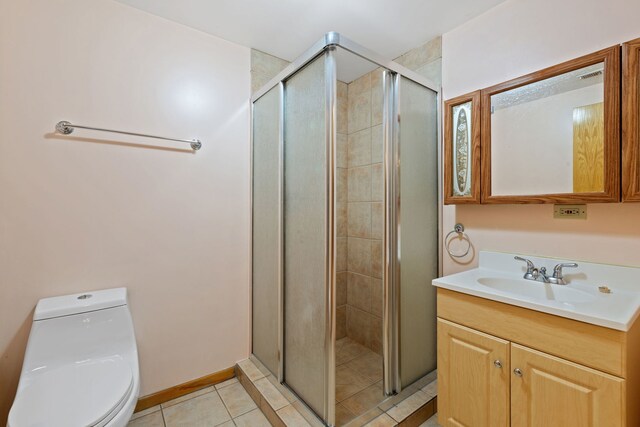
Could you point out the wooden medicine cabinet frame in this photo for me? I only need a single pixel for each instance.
(611, 59)
(474, 152)
(631, 121)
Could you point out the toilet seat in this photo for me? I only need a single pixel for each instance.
(76, 395)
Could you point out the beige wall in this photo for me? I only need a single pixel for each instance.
(512, 39)
(98, 210)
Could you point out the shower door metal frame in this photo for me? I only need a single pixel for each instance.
(391, 118)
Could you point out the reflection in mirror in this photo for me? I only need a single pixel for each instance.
(547, 137)
(462, 149)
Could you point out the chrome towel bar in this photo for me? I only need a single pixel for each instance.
(66, 128)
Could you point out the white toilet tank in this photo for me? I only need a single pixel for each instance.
(81, 363)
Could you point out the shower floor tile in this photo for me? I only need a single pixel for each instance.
(358, 379)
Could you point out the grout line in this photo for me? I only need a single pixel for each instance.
(164, 422)
(225, 406)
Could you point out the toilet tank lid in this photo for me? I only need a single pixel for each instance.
(85, 302)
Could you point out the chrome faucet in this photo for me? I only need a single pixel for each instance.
(540, 275)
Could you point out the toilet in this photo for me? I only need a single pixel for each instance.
(81, 364)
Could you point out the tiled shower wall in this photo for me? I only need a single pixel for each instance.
(365, 213)
(360, 315)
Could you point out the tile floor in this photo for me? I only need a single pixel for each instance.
(358, 390)
(431, 422)
(358, 380)
(227, 404)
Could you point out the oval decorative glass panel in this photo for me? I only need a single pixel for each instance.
(462, 149)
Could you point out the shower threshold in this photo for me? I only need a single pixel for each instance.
(414, 405)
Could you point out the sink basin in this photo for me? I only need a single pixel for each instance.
(499, 277)
(537, 290)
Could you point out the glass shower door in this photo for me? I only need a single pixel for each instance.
(309, 310)
(417, 218)
(266, 229)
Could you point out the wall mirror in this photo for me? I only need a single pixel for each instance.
(631, 122)
(462, 149)
(553, 136)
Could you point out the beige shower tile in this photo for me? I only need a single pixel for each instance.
(341, 288)
(367, 417)
(416, 58)
(341, 322)
(376, 258)
(408, 406)
(342, 109)
(348, 351)
(359, 291)
(349, 382)
(368, 364)
(288, 394)
(250, 370)
(375, 334)
(359, 184)
(275, 399)
(365, 400)
(265, 371)
(358, 325)
(254, 418)
(359, 113)
(432, 71)
(236, 399)
(377, 144)
(307, 414)
(359, 85)
(377, 220)
(359, 219)
(359, 148)
(291, 417)
(359, 256)
(431, 389)
(377, 182)
(376, 297)
(205, 410)
(343, 415)
(383, 420)
(264, 67)
(342, 219)
(342, 150)
(342, 254)
(154, 419)
(377, 97)
(342, 185)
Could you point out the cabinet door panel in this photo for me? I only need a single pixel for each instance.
(555, 392)
(473, 390)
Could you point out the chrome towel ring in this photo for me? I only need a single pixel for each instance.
(459, 229)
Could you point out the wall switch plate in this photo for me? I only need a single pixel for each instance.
(570, 211)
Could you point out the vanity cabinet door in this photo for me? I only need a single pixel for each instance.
(548, 391)
(473, 377)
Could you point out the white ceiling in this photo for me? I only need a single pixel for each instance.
(286, 28)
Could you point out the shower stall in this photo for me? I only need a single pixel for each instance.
(345, 227)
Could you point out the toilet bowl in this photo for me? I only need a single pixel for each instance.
(81, 364)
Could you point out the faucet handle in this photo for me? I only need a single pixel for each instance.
(530, 266)
(557, 270)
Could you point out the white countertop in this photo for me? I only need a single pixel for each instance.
(500, 278)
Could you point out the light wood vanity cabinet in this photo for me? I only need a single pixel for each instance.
(502, 365)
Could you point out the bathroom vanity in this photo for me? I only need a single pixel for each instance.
(522, 353)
